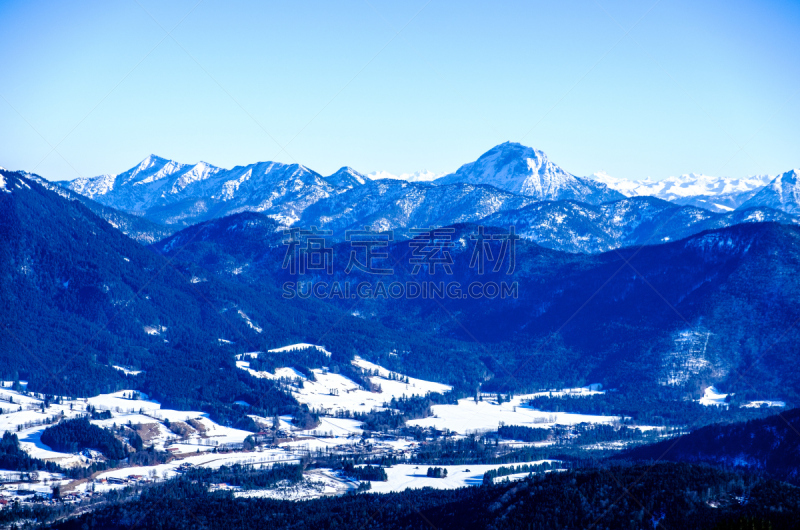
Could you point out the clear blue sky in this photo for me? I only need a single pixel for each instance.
(635, 88)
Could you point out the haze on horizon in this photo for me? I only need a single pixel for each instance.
(634, 90)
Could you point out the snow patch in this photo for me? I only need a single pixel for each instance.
(712, 396)
(125, 370)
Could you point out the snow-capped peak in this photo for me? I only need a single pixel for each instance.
(520, 169)
(783, 193)
(198, 172)
(346, 177)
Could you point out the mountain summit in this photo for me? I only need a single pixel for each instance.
(519, 169)
(783, 193)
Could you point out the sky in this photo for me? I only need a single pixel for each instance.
(648, 88)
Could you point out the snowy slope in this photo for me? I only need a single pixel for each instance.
(398, 205)
(519, 169)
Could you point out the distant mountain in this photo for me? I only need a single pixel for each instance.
(718, 203)
(765, 445)
(576, 227)
(526, 171)
(717, 194)
(399, 205)
(417, 176)
(783, 193)
(507, 177)
(172, 193)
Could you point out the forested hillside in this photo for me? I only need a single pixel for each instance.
(667, 320)
(768, 445)
(79, 297)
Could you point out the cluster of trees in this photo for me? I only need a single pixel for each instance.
(660, 406)
(436, 472)
(365, 473)
(302, 359)
(13, 458)
(523, 433)
(504, 471)
(73, 435)
(304, 418)
(580, 434)
(247, 476)
(400, 410)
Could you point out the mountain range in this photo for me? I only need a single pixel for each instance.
(500, 188)
(717, 194)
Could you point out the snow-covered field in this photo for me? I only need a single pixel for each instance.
(317, 483)
(412, 476)
(470, 416)
(322, 482)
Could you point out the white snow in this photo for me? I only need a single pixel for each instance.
(154, 330)
(249, 322)
(126, 371)
(413, 476)
(333, 392)
(712, 396)
(765, 403)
